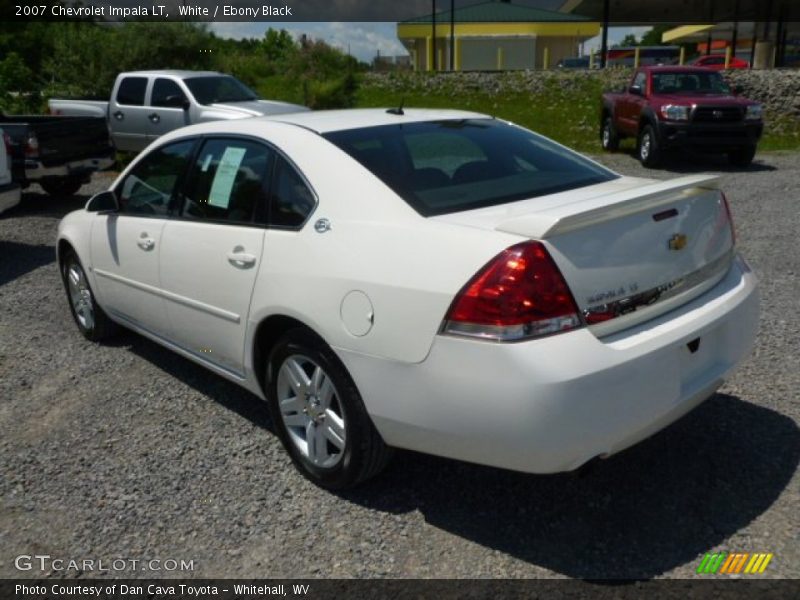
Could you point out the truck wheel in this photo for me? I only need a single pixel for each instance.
(609, 137)
(742, 157)
(62, 186)
(648, 149)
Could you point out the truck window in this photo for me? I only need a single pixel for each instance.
(167, 93)
(131, 91)
(640, 80)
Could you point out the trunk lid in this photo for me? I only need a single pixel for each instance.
(629, 249)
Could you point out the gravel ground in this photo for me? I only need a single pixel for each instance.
(127, 450)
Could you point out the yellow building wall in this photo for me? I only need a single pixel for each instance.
(507, 45)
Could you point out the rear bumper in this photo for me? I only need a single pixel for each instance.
(36, 171)
(709, 136)
(10, 196)
(552, 404)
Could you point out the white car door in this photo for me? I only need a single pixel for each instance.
(211, 251)
(125, 245)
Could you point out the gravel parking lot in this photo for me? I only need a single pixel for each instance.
(127, 450)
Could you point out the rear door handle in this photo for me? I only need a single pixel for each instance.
(241, 259)
(154, 118)
(146, 243)
(119, 115)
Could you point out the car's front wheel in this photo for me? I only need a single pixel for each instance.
(90, 318)
(319, 415)
(742, 157)
(648, 148)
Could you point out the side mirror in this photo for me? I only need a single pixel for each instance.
(635, 90)
(737, 90)
(103, 202)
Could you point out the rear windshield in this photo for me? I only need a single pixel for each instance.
(212, 89)
(442, 167)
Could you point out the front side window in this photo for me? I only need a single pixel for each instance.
(167, 94)
(131, 91)
(441, 167)
(228, 181)
(291, 199)
(211, 89)
(149, 187)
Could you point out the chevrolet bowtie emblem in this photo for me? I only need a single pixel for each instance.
(677, 242)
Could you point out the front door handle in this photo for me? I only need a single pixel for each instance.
(119, 115)
(241, 259)
(154, 118)
(146, 243)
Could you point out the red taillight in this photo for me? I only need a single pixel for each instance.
(519, 294)
(730, 217)
(32, 146)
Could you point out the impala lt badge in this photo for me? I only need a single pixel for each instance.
(677, 242)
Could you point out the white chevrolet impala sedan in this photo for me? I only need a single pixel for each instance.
(440, 281)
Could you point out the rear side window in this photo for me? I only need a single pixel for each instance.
(131, 91)
(228, 181)
(291, 199)
(441, 167)
(149, 187)
(167, 93)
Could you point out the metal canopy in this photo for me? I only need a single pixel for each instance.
(641, 12)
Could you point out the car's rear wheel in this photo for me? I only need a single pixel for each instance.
(90, 318)
(319, 415)
(742, 157)
(62, 186)
(609, 137)
(648, 148)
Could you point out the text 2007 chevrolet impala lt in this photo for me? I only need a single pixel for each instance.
(435, 280)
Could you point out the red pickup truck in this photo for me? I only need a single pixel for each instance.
(678, 107)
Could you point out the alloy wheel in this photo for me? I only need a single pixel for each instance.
(311, 411)
(80, 295)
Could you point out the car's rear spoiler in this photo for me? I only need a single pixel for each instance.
(571, 216)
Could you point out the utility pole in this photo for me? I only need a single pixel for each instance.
(433, 35)
(452, 34)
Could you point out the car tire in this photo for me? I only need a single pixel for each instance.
(319, 415)
(62, 186)
(742, 157)
(91, 319)
(609, 138)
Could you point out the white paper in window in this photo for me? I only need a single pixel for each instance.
(220, 194)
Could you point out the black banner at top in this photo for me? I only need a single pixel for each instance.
(620, 12)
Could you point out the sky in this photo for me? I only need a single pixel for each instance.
(365, 40)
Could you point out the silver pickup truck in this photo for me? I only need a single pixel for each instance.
(147, 104)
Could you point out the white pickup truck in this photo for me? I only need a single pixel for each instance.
(145, 105)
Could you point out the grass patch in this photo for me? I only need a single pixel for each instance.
(566, 110)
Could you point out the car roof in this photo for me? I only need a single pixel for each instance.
(325, 121)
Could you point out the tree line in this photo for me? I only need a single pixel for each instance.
(39, 60)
